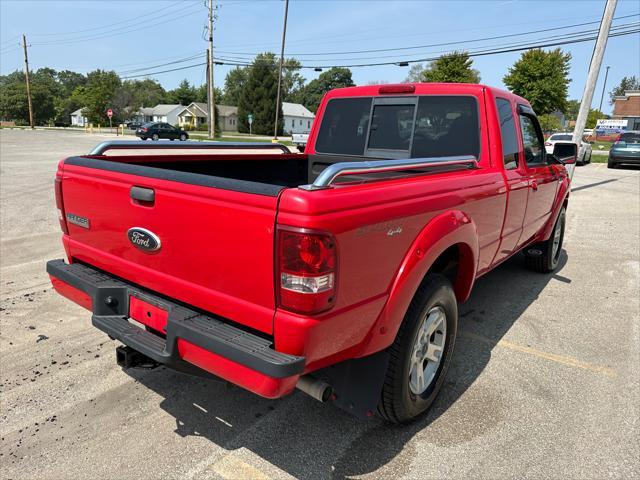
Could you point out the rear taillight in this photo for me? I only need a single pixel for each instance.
(307, 264)
(60, 205)
(143, 129)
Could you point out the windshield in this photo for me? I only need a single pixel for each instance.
(561, 138)
(630, 137)
(401, 127)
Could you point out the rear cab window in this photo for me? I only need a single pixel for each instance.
(401, 127)
(508, 133)
(630, 137)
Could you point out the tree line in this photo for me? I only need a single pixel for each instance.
(540, 76)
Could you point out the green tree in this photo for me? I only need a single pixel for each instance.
(292, 80)
(69, 81)
(13, 96)
(572, 109)
(312, 93)
(96, 96)
(201, 94)
(549, 123)
(259, 97)
(455, 67)
(184, 94)
(233, 85)
(542, 78)
(593, 117)
(415, 74)
(627, 83)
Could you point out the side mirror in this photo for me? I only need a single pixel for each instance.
(565, 152)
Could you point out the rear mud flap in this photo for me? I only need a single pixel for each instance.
(357, 383)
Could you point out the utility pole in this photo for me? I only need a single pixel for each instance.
(604, 86)
(594, 69)
(26, 74)
(211, 97)
(284, 35)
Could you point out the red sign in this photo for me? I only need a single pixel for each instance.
(109, 113)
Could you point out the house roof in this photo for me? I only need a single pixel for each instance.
(224, 110)
(164, 109)
(296, 110)
(77, 113)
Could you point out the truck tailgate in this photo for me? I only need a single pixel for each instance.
(216, 245)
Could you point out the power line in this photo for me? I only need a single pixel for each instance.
(93, 29)
(524, 42)
(496, 51)
(119, 31)
(415, 47)
(192, 57)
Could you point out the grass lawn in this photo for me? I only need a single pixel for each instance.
(195, 136)
(606, 146)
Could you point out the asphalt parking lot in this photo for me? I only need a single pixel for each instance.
(545, 382)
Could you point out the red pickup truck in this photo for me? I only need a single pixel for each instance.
(337, 271)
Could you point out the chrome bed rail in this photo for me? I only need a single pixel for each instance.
(187, 145)
(332, 172)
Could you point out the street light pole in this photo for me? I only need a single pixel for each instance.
(604, 86)
(594, 69)
(284, 35)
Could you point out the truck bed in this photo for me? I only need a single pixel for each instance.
(263, 174)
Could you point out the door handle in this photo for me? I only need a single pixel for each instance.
(534, 185)
(142, 194)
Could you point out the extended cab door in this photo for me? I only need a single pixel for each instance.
(542, 176)
(516, 179)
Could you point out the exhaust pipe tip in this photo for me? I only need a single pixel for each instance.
(321, 391)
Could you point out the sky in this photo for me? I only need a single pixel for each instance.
(138, 37)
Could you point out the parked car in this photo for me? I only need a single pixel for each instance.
(584, 147)
(626, 150)
(158, 130)
(300, 140)
(337, 271)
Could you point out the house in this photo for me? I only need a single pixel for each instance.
(627, 107)
(167, 113)
(78, 119)
(297, 119)
(196, 114)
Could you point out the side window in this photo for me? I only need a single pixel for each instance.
(531, 141)
(508, 133)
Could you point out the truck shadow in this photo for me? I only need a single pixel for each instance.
(311, 440)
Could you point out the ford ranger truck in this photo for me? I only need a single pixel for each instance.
(337, 271)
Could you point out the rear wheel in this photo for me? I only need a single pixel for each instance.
(183, 137)
(543, 257)
(421, 353)
(155, 137)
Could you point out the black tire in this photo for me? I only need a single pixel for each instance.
(398, 404)
(155, 137)
(183, 137)
(541, 257)
(589, 159)
(611, 163)
(143, 138)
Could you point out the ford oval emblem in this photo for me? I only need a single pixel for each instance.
(144, 239)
